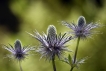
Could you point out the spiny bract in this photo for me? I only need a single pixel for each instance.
(18, 51)
(51, 44)
(82, 29)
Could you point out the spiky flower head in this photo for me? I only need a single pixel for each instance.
(82, 29)
(18, 51)
(51, 44)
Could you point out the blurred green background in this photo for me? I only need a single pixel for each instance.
(18, 16)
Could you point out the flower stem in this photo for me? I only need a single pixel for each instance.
(20, 66)
(71, 68)
(76, 49)
(75, 55)
(53, 63)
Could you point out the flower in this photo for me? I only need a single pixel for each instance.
(51, 44)
(18, 51)
(82, 29)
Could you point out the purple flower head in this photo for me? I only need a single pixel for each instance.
(51, 44)
(18, 51)
(82, 29)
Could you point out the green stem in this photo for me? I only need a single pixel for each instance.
(72, 68)
(75, 55)
(53, 63)
(76, 49)
(20, 66)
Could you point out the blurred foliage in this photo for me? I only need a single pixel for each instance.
(37, 15)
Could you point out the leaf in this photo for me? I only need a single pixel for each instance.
(70, 60)
(65, 60)
(81, 61)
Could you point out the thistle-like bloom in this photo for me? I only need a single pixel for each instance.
(82, 29)
(51, 44)
(18, 51)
